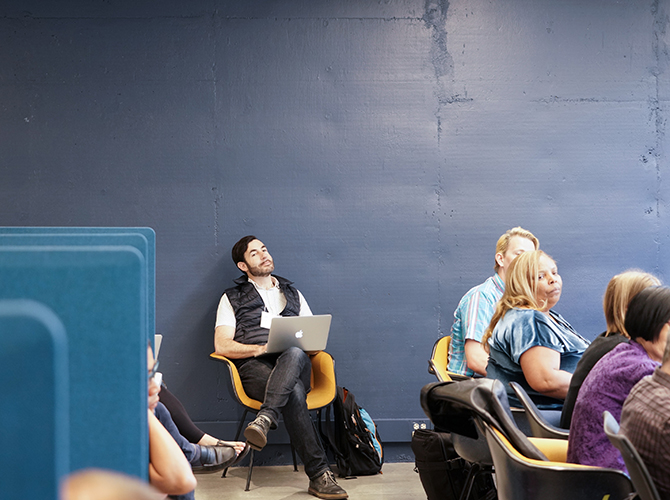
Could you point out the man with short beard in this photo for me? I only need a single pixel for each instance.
(280, 381)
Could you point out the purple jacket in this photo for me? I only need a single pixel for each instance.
(605, 388)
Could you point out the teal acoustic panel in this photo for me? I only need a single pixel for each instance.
(142, 238)
(33, 401)
(99, 293)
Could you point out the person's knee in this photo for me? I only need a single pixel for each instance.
(298, 395)
(295, 354)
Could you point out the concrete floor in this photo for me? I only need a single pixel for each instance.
(398, 482)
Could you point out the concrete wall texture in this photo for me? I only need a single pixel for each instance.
(379, 148)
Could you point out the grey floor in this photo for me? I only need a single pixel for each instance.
(397, 482)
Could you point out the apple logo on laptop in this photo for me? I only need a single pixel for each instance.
(298, 334)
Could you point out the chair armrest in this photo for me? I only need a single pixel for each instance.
(538, 424)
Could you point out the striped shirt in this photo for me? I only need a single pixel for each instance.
(645, 420)
(471, 318)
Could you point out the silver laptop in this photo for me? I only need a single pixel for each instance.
(309, 333)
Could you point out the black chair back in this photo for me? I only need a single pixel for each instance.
(455, 406)
(637, 470)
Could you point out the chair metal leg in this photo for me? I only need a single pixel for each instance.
(475, 471)
(318, 422)
(239, 427)
(469, 482)
(251, 468)
(237, 436)
(295, 462)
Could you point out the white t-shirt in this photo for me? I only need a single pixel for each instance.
(274, 300)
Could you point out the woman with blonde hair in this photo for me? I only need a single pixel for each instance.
(610, 381)
(620, 290)
(529, 342)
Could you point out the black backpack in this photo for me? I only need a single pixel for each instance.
(443, 473)
(352, 437)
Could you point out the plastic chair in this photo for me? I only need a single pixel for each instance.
(324, 389)
(639, 474)
(538, 424)
(523, 478)
(475, 408)
(449, 406)
(439, 361)
(455, 406)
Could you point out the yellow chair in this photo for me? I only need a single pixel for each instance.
(522, 478)
(439, 361)
(477, 410)
(438, 366)
(322, 381)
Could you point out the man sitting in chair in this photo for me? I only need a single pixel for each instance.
(280, 381)
(475, 310)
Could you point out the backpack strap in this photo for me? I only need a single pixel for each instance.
(329, 426)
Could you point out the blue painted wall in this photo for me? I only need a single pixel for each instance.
(378, 149)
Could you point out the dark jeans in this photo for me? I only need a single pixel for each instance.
(282, 383)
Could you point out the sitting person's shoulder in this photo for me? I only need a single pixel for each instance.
(523, 315)
(535, 327)
(519, 323)
(623, 350)
(481, 290)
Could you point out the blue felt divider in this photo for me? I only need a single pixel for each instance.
(142, 238)
(100, 294)
(33, 401)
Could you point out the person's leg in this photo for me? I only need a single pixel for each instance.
(285, 391)
(553, 417)
(187, 496)
(292, 365)
(201, 458)
(180, 417)
(191, 451)
(303, 434)
(307, 444)
(255, 374)
(188, 429)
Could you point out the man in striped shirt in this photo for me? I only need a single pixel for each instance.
(474, 311)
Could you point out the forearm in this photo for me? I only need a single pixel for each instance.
(169, 471)
(541, 367)
(226, 346)
(554, 383)
(476, 357)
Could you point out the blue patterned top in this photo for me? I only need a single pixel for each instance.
(471, 319)
(518, 331)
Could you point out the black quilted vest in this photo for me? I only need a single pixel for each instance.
(248, 306)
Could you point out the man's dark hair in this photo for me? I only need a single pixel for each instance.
(240, 248)
(648, 312)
